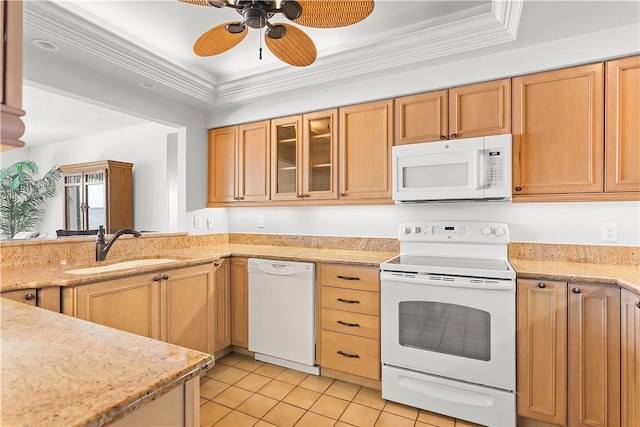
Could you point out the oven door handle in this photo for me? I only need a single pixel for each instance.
(415, 278)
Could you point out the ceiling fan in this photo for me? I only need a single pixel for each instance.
(285, 41)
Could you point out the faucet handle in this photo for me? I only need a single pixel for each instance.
(100, 234)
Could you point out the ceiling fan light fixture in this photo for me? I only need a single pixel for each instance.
(235, 28)
(276, 31)
(291, 9)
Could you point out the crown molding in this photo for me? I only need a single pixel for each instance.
(52, 19)
(485, 29)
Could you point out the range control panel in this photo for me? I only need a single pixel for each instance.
(454, 231)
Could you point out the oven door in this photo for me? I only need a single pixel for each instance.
(457, 332)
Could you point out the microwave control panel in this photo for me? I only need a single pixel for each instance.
(494, 168)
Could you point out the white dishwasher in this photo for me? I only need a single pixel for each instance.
(282, 313)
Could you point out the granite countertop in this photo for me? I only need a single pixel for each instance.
(626, 276)
(14, 278)
(18, 277)
(57, 370)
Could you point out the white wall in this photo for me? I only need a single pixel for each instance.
(578, 223)
(145, 146)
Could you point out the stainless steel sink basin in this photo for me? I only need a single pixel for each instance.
(122, 265)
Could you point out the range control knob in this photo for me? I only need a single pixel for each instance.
(486, 230)
(499, 231)
(406, 230)
(417, 229)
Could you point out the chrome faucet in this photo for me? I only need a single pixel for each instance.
(102, 248)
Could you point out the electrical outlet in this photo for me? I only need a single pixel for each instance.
(609, 232)
(197, 221)
(260, 221)
(209, 223)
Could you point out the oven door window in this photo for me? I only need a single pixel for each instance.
(445, 328)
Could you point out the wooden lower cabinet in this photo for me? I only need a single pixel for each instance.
(630, 360)
(568, 353)
(222, 297)
(542, 350)
(239, 302)
(348, 321)
(176, 305)
(188, 319)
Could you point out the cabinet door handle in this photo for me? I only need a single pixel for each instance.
(298, 196)
(341, 195)
(215, 264)
(518, 188)
(304, 196)
(348, 301)
(576, 290)
(454, 135)
(442, 137)
(542, 285)
(29, 296)
(156, 279)
(351, 356)
(165, 277)
(351, 325)
(348, 278)
(638, 304)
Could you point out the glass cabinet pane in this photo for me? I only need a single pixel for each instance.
(286, 157)
(73, 203)
(96, 209)
(320, 155)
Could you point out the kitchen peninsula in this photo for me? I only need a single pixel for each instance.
(62, 371)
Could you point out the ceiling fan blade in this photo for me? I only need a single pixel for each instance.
(215, 3)
(218, 40)
(294, 47)
(332, 14)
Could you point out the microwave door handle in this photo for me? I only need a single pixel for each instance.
(479, 172)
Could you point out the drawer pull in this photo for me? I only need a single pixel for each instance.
(351, 325)
(351, 356)
(638, 304)
(542, 285)
(576, 290)
(29, 296)
(348, 301)
(348, 278)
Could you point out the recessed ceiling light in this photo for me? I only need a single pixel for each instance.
(45, 45)
(147, 85)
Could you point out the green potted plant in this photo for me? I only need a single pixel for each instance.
(22, 195)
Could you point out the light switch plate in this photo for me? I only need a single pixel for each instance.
(197, 221)
(209, 223)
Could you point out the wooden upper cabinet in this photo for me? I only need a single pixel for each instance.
(223, 146)
(11, 124)
(623, 125)
(421, 117)
(542, 350)
(558, 131)
(594, 355)
(239, 163)
(305, 157)
(630, 358)
(366, 137)
(479, 109)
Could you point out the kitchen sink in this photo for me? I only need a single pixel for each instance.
(122, 265)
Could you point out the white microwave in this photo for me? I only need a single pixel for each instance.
(471, 169)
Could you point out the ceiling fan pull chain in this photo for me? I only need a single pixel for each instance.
(260, 37)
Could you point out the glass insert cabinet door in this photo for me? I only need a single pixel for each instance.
(305, 154)
(73, 202)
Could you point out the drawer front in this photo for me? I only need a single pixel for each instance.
(362, 325)
(26, 296)
(354, 355)
(349, 300)
(349, 276)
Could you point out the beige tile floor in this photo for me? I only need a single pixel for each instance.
(240, 391)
